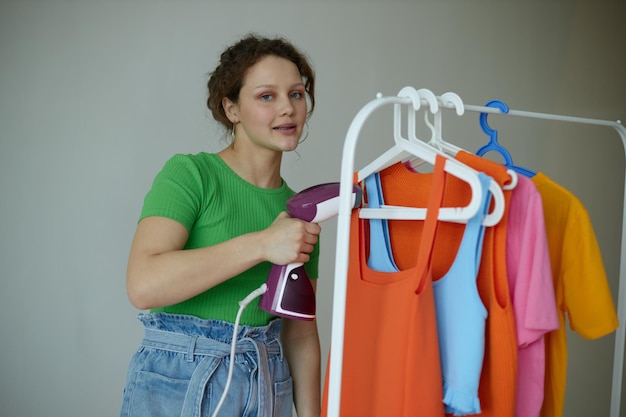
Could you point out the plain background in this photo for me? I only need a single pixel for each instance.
(96, 95)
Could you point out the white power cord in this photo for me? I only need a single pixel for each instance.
(242, 305)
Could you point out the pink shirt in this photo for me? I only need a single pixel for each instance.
(532, 292)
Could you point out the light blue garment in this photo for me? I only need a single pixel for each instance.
(182, 365)
(461, 318)
(461, 315)
(381, 257)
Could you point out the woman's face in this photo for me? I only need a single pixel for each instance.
(272, 108)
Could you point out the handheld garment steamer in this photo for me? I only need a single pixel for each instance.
(288, 291)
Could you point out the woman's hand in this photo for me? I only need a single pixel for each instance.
(289, 240)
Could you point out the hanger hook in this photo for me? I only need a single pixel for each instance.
(500, 105)
(410, 93)
(429, 96)
(493, 144)
(451, 99)
(433, 130)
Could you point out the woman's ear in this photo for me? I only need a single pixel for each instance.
(230, 109)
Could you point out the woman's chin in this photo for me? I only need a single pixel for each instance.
(289, 145)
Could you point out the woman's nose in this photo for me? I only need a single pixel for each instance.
(286, 106)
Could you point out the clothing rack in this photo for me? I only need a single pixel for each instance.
(343, 236)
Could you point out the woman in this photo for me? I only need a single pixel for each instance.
(210, 227)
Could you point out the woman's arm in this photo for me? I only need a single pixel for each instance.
(161, 273)
(301, 344)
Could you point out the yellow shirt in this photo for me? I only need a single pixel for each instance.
(580, 284)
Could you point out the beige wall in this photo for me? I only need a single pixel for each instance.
(96, 95)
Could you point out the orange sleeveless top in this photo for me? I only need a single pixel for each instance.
(391, 356)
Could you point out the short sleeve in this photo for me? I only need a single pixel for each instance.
(588, 298)
(176, 192)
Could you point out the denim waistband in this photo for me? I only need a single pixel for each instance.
(195, 336)
(212, 339)
(221, 331)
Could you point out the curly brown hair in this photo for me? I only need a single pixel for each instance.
(226, 80)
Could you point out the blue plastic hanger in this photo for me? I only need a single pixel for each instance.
(493, 144)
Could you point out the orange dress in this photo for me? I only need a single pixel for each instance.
(391, 356)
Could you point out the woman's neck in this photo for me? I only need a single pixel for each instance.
(261, 169)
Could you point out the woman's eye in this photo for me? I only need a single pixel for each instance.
(296, 95)
(266, 97)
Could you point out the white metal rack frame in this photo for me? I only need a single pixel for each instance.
(343, 236)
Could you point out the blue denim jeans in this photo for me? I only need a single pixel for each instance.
(182, 365)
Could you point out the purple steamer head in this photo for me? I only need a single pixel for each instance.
(289, 290)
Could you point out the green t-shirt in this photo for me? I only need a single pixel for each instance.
(203, 194)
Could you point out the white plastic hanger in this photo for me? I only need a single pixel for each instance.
(437, 141)
(431, 99)
(452, 100)
(412, 147)
(495, 216)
